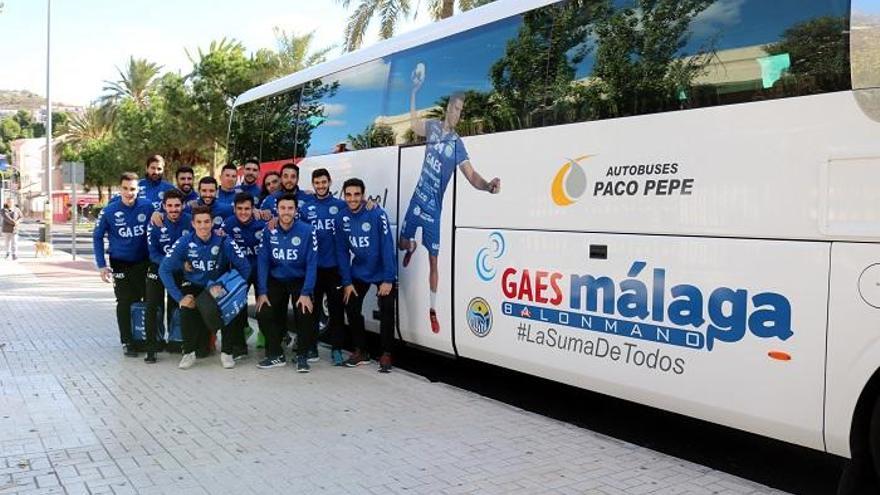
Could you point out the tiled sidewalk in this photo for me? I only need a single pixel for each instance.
(78, 417)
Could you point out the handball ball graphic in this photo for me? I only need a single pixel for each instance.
(418, 74)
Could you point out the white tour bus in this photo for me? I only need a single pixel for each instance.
(680, 208)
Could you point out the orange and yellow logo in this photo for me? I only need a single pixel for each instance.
(570, 182)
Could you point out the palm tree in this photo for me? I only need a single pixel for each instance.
(93, 124)
(295, 51)
(134, 83)
(390, 12)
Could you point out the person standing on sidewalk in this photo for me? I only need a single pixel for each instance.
(321, 212)
(366, 256)
(208, 256)
(287, 264)
(246, 231)
(124, 223)
(10, 217)
(159, 241)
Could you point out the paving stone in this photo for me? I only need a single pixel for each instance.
(76, 416)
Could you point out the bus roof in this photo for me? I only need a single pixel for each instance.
(462, 22)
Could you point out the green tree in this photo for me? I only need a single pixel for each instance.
(134, 83)
(819, 54)
(640, 67)
(391, 12)
(102, 164)
(10, 130)
(374, 135)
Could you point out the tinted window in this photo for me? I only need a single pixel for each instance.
(635, 57)
(341, 110)
(280, 129)
(460, 64)
(245, 132)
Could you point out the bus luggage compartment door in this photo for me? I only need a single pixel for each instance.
(727, 330)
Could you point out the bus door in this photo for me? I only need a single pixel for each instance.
(425, 218)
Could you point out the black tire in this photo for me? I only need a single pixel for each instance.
(862, 472)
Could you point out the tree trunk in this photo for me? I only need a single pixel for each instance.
(447, 9)
(212, 170)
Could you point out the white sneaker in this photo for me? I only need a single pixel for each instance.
(187, 361)
(227, 360)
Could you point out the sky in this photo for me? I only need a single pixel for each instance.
(90, 38)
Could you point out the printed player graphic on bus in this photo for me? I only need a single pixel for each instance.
(444, 152)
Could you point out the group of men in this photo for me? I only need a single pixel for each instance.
(291, 246)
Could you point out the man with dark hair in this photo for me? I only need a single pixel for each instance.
(208, 256)
(207, 197)
(124, 222)
(366, 256)
(159, 241)
(271, 183)
(185, 178)
(444, 154)
(289, 185)
(321, 213)
(246, 231)
(228, 190)
(250, 172)
(153, 186)
(287, 264)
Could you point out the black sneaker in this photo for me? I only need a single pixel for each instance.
(356, 359)
(302, 364)
(151, 358)
(385, 363)
(272, 362)
(129, 351)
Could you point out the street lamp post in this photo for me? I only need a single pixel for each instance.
(49, 205)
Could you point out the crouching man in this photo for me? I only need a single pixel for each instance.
(207, 257)
(287, 265)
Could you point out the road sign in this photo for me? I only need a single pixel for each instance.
(73, 172)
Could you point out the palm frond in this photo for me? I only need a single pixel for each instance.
(358, 23)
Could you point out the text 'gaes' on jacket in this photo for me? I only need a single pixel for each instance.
(286, 255)
(160, 239)
(208, 259)
(321, 213)
(365, 246)
(246, 235)
(126, 230)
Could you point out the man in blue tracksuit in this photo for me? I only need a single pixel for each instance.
(289, 185)
(321, 213)
(185, 177)
(208, 256)
(124, 222)
(246, 231)
(287, 264)
(207, 197)
(250, 173)
(152, 187)
(227, 191)
(366, 256)
(159, 241)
